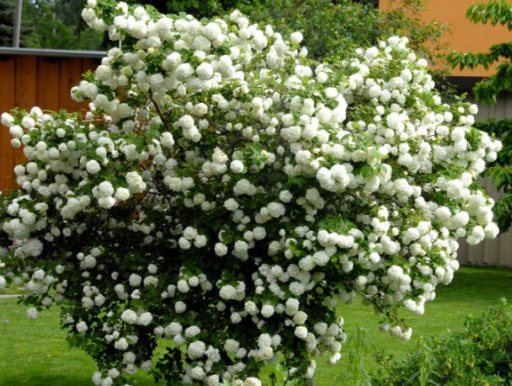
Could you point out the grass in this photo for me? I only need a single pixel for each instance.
(34, 352)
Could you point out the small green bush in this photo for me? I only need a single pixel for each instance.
(480, 354)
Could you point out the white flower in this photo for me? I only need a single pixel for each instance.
(204, 71)
(180, 307)
(196, 349)
(81, 327)
(237, 166)
(16, 131)
(27, 122)
(301, 332)
(129, 317)
(292, 306)
(121, 344)
(135, 280)
(251, 381)
(93, 167)
(7, 119)
(183, 286)
(135, 182)
(145, 319)
(267, 310)
(192, 331)
(32, 313)
(221, 249)
(296, 37)
(167, 140)
(227, 292)
(276, 209)
(122, 194)
(231, 205)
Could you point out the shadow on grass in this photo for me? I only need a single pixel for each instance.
(45, 380)
(64, 380)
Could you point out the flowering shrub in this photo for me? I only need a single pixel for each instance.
(225, 196)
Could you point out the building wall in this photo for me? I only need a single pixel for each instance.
(465, 36)
(27, 81)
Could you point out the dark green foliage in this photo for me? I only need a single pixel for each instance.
(404, 18)
(7, 15)
(203, 8)
(332, 29)
(494, 12)
(6, 22)
(501, 171)
(480, 354)
(58, 25)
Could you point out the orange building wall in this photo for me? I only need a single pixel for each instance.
(465, 36)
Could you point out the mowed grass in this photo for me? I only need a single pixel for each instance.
(35, 353)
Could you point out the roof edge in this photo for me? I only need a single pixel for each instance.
(52, 53)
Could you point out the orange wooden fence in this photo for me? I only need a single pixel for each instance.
(36, 79)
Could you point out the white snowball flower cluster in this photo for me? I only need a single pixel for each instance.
(224, 195)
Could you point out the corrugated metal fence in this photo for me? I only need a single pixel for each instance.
(45, 78)
(498, 251)
(37, 78)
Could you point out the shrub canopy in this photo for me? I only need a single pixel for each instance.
(225, 196)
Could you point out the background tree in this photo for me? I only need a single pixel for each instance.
(57, 24)
(6, 22)
(486, 91)
(333, 28)
(7, 10)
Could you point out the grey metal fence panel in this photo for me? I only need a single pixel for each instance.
(499, 251)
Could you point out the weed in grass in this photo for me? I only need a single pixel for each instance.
(357, 347)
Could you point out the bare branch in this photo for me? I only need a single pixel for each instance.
(159, 110)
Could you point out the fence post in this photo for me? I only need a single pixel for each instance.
(17, 25)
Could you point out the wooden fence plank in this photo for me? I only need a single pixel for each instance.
(25, 93)
(26, 75)
(70, 76)
(27, 81)
(48, 83)
(7, 76)
(88, 64)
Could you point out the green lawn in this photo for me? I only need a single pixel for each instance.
(34, 352)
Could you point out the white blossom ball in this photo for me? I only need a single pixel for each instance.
(221, 249)
(129, 317)
(122, 194)
(227, 292)
(81, 327)
(196, 350)
(145, 319)
(121, 344)
(301, 332)
(32, 313)
(237, 166)
(267, 310)
(296, 37)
